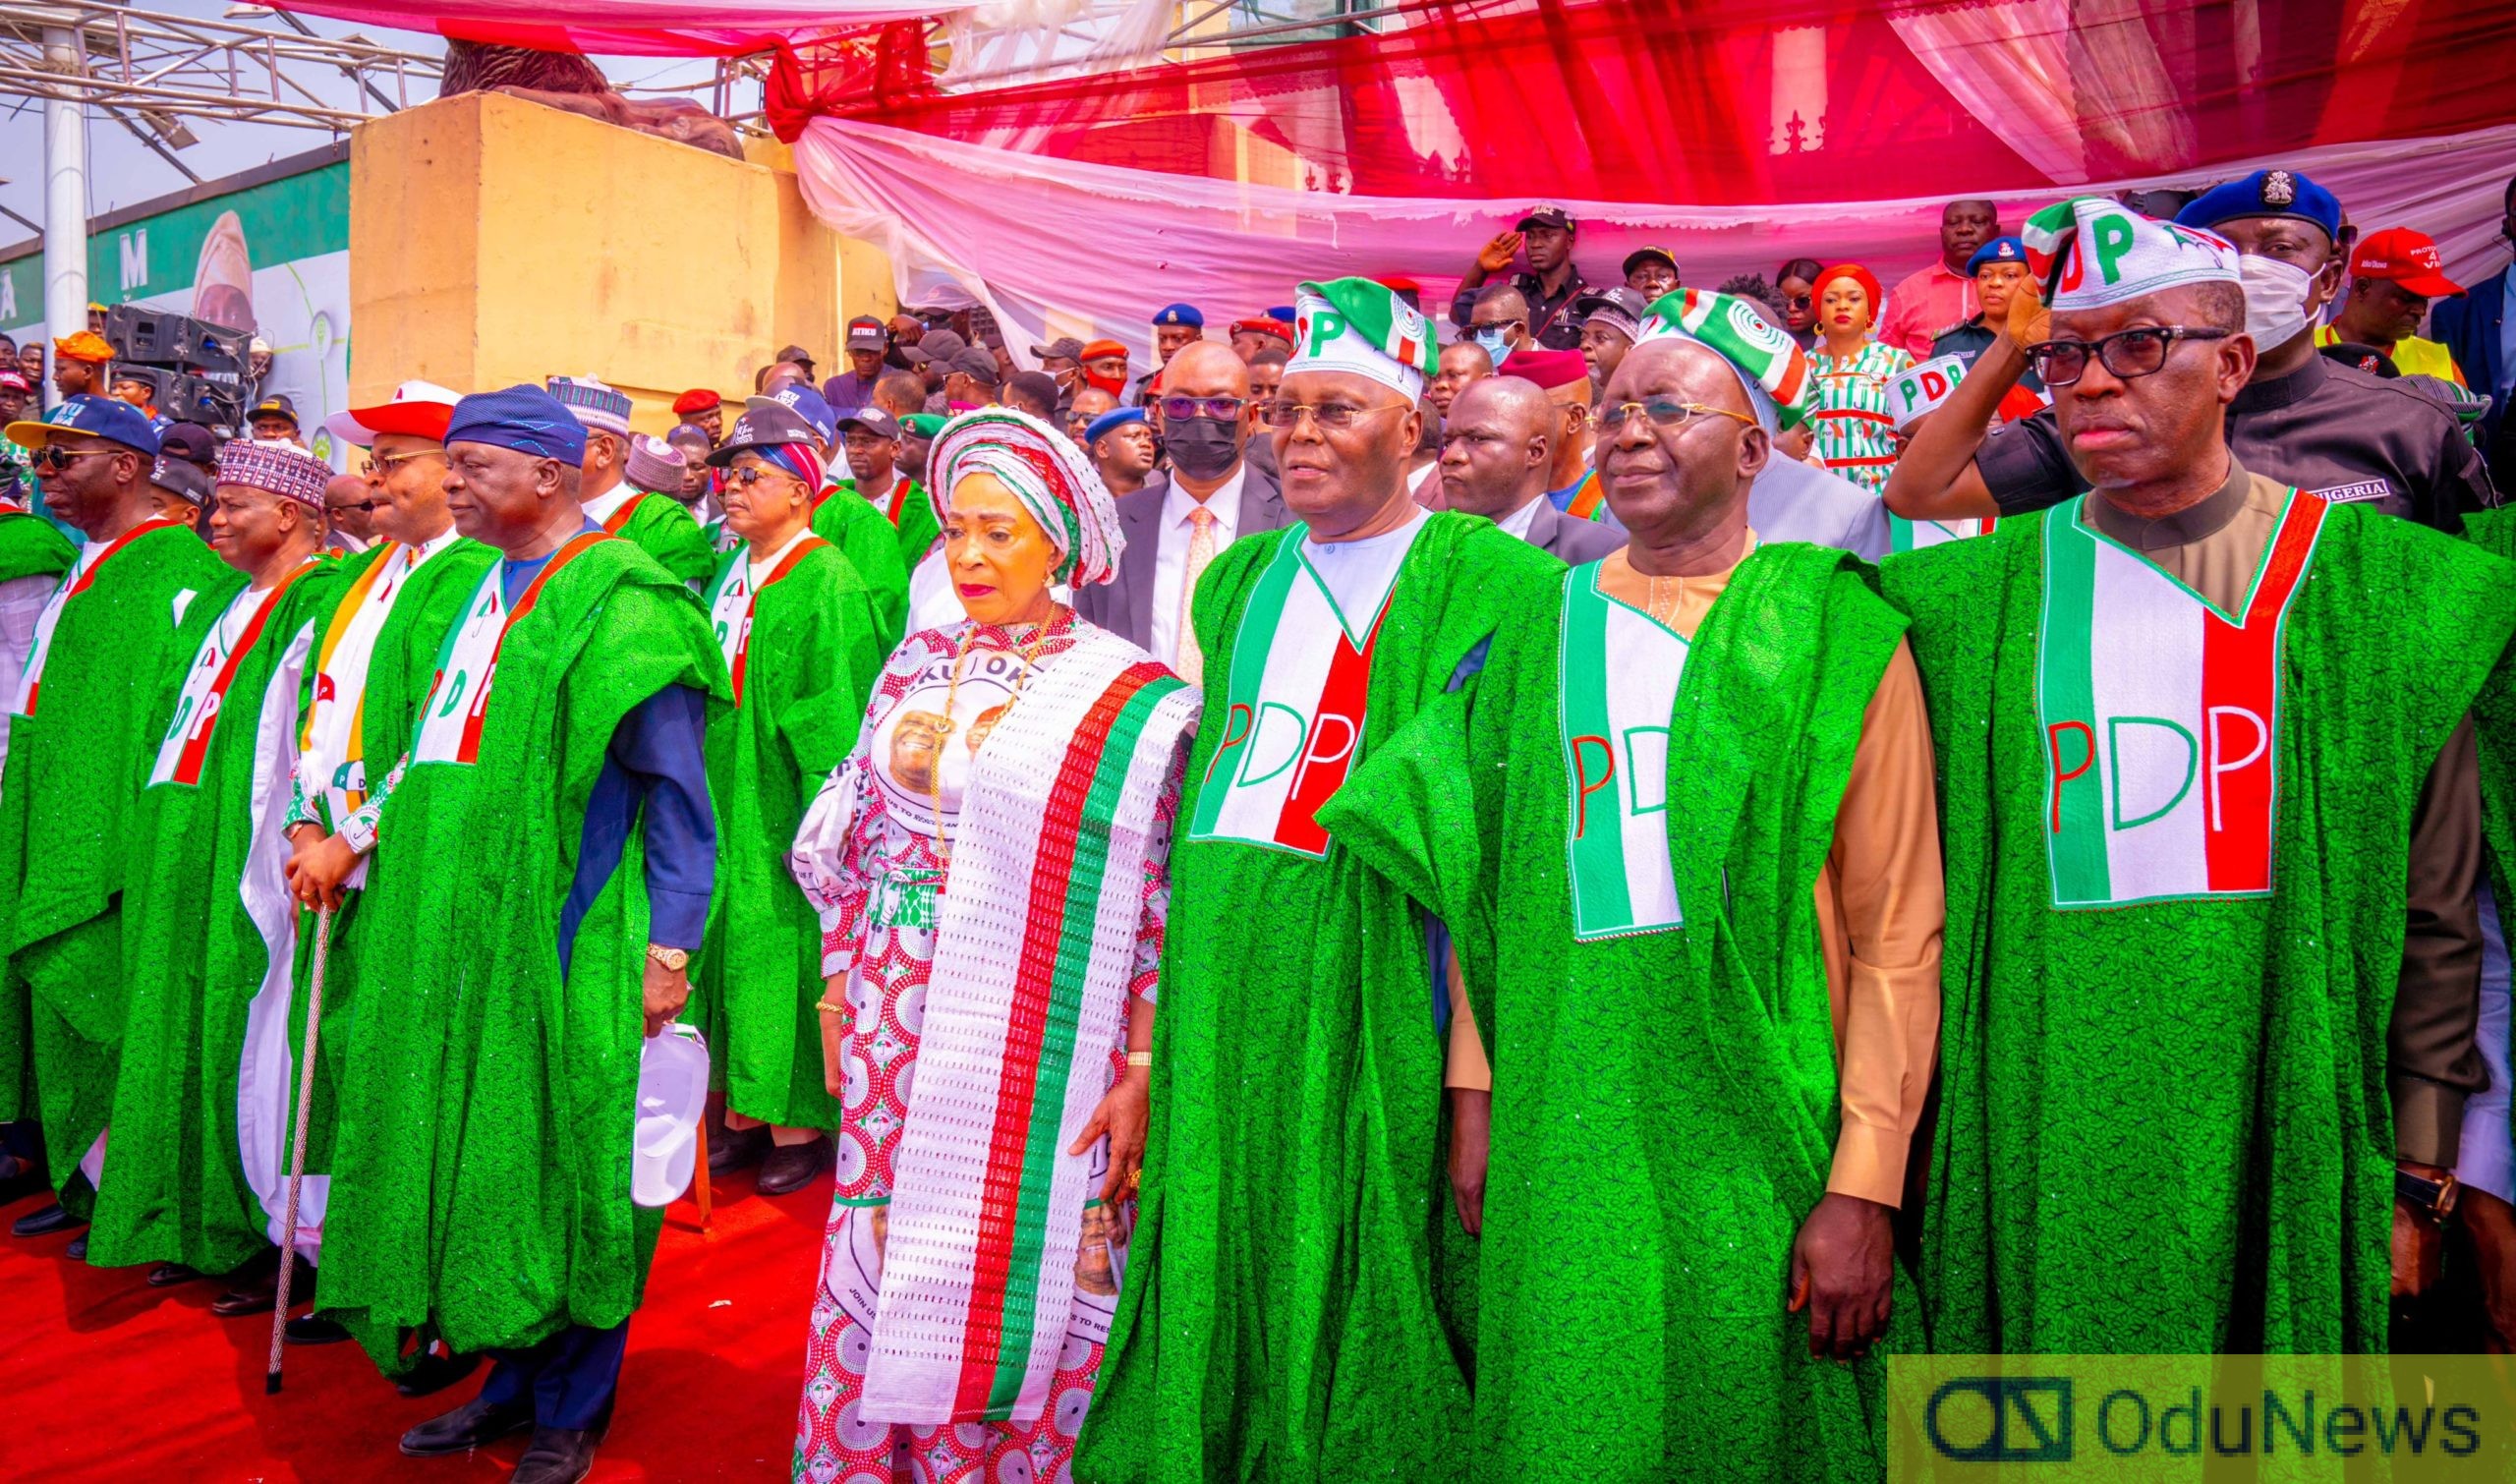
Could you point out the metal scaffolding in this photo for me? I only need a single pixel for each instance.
(149, 70)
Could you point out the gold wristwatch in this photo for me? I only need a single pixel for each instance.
(675, 959)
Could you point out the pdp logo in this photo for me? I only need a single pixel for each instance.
(2000, 1419)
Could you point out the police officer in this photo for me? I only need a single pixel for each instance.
(2303, 419)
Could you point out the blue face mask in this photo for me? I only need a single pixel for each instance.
(1494, 341)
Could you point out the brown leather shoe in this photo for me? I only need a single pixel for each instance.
(257, 1288)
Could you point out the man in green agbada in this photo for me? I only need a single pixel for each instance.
(554, 805)
(1703, 945)
(657, 524)
(800, 639)
(372, 665)
(1295, 1306)
(99, 688)
(194, 1172)
(2212, 822)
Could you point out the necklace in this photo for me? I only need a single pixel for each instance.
(1029, 654)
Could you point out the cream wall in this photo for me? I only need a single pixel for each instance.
(495, 241)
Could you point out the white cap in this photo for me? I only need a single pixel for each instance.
(361, 424)
(673, 1097)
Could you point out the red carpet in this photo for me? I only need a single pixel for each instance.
(102, 1377)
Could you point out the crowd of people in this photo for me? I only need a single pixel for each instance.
(1340, 905)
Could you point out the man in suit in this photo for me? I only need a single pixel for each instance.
(1498, 452)
(2478, 331)
(1181, 520)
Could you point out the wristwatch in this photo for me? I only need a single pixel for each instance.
(671, 958)
(2437, 1197)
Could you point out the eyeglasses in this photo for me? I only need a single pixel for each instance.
(374, 467)
(2125, 352)
(55, 459)
(1334, 417)
(1180, 409)
(1667, 412)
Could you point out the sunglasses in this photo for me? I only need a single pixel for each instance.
(752, 474)
(55, 459)
(1180, 409)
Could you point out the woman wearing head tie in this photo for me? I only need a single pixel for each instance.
(989, 866)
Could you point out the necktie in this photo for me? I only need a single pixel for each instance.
(1201, 554)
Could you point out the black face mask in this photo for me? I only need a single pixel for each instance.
(1202, 448)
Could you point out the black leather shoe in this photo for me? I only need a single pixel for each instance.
(314, 1328)
(57, 1218)
(472, 1425)
(434, 1373)
(167, 1275)
(739, 1149)
(557, 1455)
(790, 1168)
(76, 1251)
(256, 1286)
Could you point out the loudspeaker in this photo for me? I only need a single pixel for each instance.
(197, 399)
(162, 338)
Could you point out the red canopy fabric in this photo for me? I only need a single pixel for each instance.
(1746, 102)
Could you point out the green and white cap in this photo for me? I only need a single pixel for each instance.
(1354, 325)
(1768, 362)
(2109, 252)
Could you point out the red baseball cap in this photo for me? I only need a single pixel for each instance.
(2406, 257)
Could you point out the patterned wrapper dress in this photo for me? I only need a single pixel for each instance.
(879, 896)
(1854, 435)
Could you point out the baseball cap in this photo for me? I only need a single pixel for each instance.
(2406, 257)
(796, 354)
(1065, 346)
(1620, 305)
(977, 365)
(936, 345)
(1641, 255)
(421, 408)
(866, 334)
(873, 421)
(181, 478)
(190, 441)
(763, 424)
(104, 417)
(1546, 216)
(276, 405)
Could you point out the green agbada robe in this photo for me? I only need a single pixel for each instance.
(2165, 1127)
(1284, 1315)
(74, 776)
(175, 1188)
(665, 530)
(864, 535)
(400, 669)
(31, 546)
(1665, 1104)
(917, 528)
(807, 671)
(484, 1150)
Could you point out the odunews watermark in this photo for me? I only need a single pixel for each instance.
(2061, 1418)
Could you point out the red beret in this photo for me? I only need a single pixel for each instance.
(1548, 369)
(698, 399)
(1262, 325)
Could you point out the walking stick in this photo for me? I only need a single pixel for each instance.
(707, 1201)
(297, 1150)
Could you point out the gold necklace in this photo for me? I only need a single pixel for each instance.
(1028, 652)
